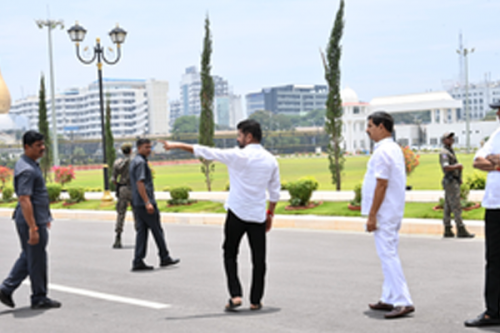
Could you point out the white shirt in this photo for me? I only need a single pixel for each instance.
(387, 162)
(491, 199)
(252, 170)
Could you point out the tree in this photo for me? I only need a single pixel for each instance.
(206, 131)
(186, 124)
(110, 141)
(43, 128)
(333, 123)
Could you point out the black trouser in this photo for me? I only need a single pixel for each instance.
(234, 230)
(492, 286)
(32, 262)
(143, 222)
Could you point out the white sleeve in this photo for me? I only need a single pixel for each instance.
(486, 149)
(274, 185)
(227, 156)
(382, 165)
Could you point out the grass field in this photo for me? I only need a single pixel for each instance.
(412, 209)
(427, 176)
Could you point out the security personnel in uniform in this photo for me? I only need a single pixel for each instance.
(121, 180)
(451, 184)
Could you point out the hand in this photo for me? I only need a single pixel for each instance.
(371, 224)
(49, 224)
(150, 208)
(168, 145)
(459, 166)
(34, 237)
(269, 222)
(494, 159)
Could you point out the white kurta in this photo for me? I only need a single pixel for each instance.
(491, 198)
(387, 162)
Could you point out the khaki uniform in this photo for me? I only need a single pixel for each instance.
(451, 185)
(124, 192)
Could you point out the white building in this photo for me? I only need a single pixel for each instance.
(138, 107)
(437, 112)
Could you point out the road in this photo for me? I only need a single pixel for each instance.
(318, 281)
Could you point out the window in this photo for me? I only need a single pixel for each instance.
(355, 110)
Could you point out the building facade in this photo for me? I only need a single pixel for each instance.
(289, 99)
(138, 107)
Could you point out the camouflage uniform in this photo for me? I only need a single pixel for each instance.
(124, 190)
(451, 185)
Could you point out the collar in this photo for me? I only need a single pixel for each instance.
(143, 157)
(253, 146)
(381, 142)
(29, 160)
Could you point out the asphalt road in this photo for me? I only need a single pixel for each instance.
(317, 281)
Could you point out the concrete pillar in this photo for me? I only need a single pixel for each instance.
(433, 116)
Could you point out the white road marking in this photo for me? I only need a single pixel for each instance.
(107, 297)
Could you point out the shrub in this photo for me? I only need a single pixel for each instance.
(76, 194)
(464, 191)
(357, 195)
(284, 185)
(54, 191)
(301, 190)
(166, 189)
(411, 160)
(5, 175)
(476, 181)
(180, 196)
(93, 189)
(64, 175)
(227, 187)
(7, 193)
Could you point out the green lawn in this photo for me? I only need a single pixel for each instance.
(412, 209)
(427, 176)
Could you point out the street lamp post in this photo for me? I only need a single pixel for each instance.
(77, 34)
(465, 52)
(51, 24)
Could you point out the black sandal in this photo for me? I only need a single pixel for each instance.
(255, 307)
(231, 307)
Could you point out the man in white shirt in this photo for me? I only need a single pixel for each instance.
(488, 159)
(383, 200)
(252, 170)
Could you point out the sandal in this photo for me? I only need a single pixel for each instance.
(231, 306)
(255, 307)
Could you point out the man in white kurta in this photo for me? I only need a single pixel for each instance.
(383, 201)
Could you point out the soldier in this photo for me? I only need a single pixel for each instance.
(451, 184)
(121, 180)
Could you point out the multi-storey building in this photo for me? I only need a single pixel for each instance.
(290, 99)
(138, 107)
(226, 108)
(480, 96)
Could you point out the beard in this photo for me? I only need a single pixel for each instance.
(241, 145)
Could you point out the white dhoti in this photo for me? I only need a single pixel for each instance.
(395, 289)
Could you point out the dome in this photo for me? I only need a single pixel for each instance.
(349, 96)
(4, 97)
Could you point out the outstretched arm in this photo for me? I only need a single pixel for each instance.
(178, 145)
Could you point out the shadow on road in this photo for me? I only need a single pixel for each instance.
(242, 312)
(380, 315)
(24, 312)
(490, 329)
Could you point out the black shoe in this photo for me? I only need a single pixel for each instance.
(463, 233)
(6, 299)
(141, 267)
(118, 242)
(482, 321)
(448, 232)
(169, 261)
(46, 304)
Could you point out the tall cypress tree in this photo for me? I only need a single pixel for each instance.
(206, 131)
(333, 123)
(110, 141)
(43, 128)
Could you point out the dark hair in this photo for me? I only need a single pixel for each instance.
(381, 117)
(142, 141)
(126, 150)
(251, 126)
(31, 137)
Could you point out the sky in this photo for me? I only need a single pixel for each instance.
(389, 47)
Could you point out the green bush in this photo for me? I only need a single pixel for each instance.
(464, 191)
(54, 191)
(93, 189)
(301, 190)
(166, 189)
(76, 194)
(227, 186)
(7, 193)
(476, 181)
(284, 185)
(357, 195)
(180, 196)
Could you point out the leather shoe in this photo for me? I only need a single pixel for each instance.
(381, 306)
(399, 311)
(141, 267)
(482, 321)
(6, 299)
(169, 261)
(46, 304)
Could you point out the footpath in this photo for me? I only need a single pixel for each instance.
(410, 226)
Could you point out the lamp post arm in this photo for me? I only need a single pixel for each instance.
(118, 55)
(87, 62)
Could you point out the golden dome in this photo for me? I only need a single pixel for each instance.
(4, 96)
